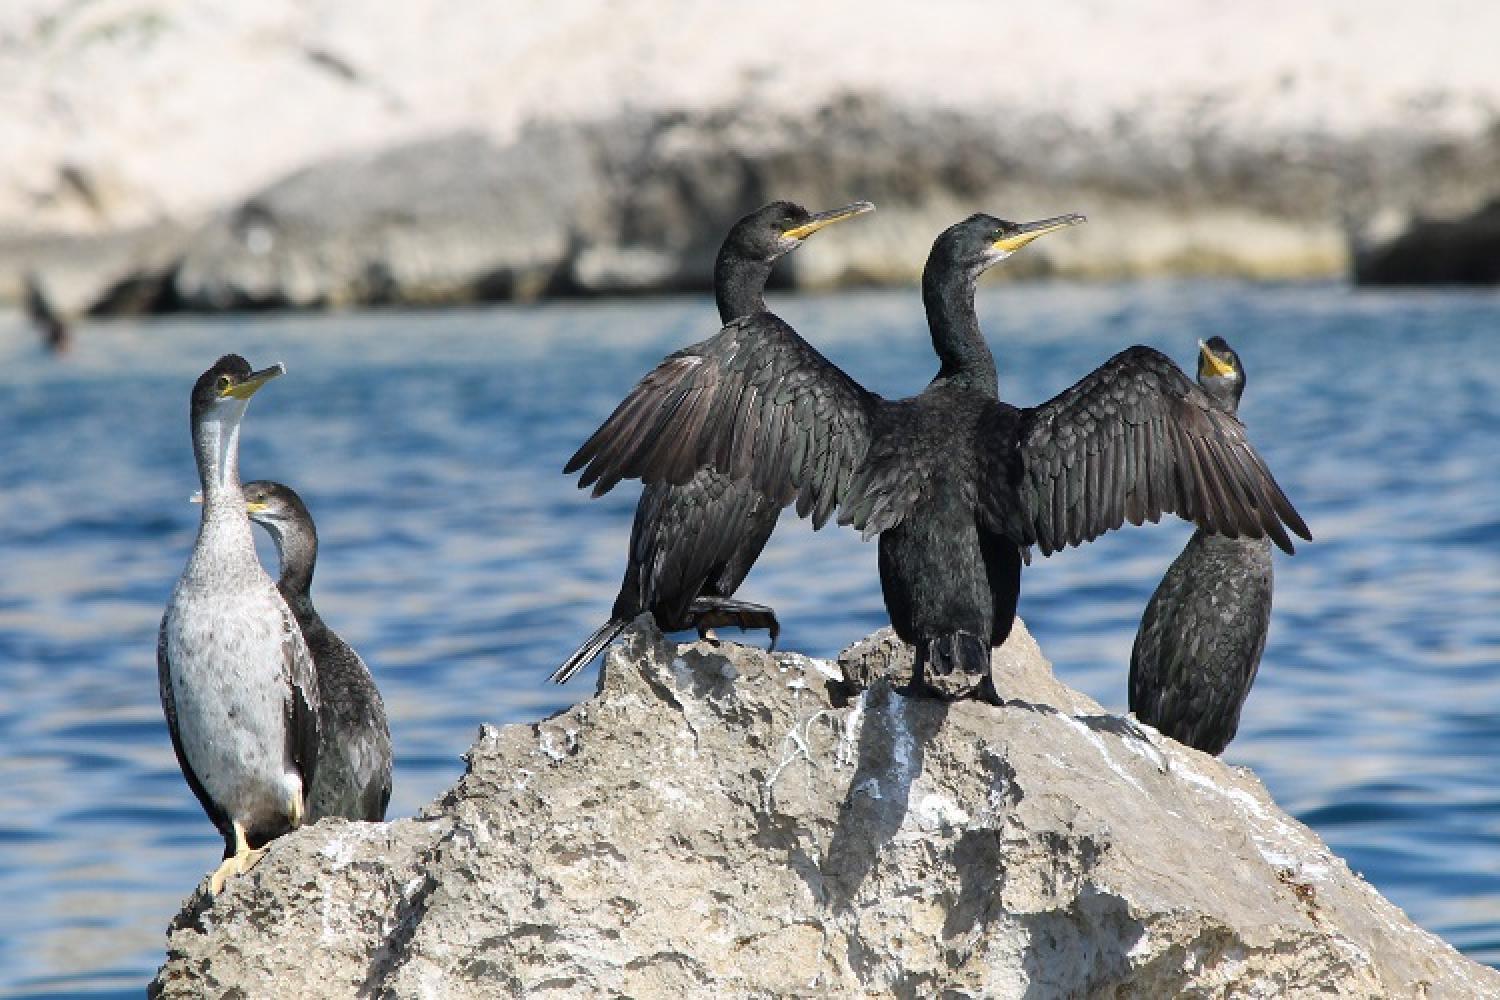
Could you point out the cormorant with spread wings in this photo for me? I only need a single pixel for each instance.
(957, 484)
(693, 543)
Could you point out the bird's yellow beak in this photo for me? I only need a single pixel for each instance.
(828, 218)
(245, 388)
(1026, 232)
(1210, 364)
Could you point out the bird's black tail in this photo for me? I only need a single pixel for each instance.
(592, 646)
(953, 666)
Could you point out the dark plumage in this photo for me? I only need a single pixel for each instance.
(48, 322)
(236, 681)
(1201, 638)
(955, 482)
(354, 753)
(692, 543)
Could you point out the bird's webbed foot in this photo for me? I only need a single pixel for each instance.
(229, 866)
(708, 613)
(241, 861)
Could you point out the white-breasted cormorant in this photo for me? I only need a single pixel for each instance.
(354, 749)
(1200, 640)
(237, 681)
(955, 482)
(692, 543)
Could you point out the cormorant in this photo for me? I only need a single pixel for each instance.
(43, 316)
(1203, 632)
(354, 750)
(237, 682)
(956, 483)
(692, 543)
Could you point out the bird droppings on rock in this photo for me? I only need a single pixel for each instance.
(827, 838)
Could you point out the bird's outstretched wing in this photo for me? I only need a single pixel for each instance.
(1132, 440)
(754, 402)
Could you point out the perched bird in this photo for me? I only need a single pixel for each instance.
(47, 320)
(693, 543)
(1204, 629)
(237, 681)
(956, 483)
(353, 779)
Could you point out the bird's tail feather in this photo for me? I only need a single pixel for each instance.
(592, 646)
(953, 666)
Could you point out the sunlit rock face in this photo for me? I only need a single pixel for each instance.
(1263, 141)
(719, 821)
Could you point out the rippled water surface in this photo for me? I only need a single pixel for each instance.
(464, 566)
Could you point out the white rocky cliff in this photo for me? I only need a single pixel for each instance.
(209, 155)
(717, 821)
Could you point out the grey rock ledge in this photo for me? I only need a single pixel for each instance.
(718, 821)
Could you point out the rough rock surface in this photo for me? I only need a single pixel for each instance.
(718, 821)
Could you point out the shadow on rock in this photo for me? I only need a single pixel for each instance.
(893, 738)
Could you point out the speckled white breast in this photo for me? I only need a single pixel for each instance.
(227, 650)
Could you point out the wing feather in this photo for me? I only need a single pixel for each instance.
(302, 704)
(1132, 440)
(754, 402)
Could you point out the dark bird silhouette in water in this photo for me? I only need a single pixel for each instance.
(1201, 638)
(957, 484)
(693, 542)
(39, 309)
(354, 752)
(237, 683)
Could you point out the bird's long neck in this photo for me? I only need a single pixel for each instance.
(297, 550)
(948, 294)
(224, 534)
(1223, 394)
(740, 284)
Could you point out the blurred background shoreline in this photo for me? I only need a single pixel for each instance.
(211, 156)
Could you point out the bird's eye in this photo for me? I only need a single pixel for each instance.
(222, 383)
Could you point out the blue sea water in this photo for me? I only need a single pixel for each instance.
(464, 566)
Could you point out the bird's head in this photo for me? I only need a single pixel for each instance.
(275, 507)
(780, 227)
(222, 392)
(981, 241)
(1220, 373)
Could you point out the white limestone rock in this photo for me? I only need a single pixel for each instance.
(719, 821)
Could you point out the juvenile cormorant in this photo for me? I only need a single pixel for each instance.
(955, 482)
(1203, 632)
(354, 749)
(237, 682)
(692, 544)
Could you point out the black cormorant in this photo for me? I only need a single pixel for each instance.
(693, 543)
(237, 682)
(43, 315)
(354, 749)
(956, 483)
(1201, 637)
